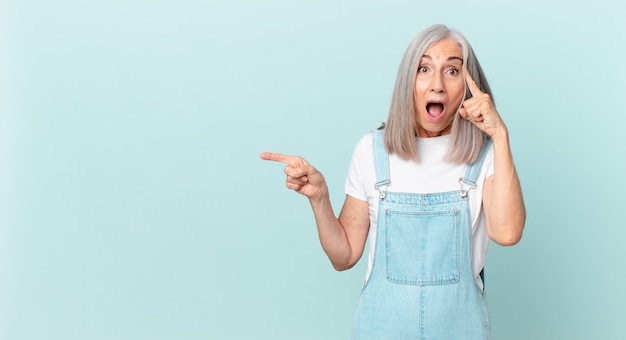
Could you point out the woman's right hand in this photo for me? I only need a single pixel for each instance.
(302, 177)
(343, 238)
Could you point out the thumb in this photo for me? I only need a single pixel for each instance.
(463, 112)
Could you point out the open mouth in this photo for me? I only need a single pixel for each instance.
(435, 109)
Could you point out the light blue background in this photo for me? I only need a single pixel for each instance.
(133, 204)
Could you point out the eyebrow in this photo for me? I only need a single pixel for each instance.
(449, 58)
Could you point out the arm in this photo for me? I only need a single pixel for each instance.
(343, 239)
(505, 213)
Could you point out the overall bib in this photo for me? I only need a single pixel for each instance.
(422, 283)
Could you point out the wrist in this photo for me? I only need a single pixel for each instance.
(501, 134)
(320, 199)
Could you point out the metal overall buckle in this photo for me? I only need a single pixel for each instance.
(382, 193)
(470, 186)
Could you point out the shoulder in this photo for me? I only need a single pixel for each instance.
(361, 175)
(363, 154)
(365, 144)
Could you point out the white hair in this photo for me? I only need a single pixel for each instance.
(401, 127)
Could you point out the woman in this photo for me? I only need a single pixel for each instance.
(430, 189)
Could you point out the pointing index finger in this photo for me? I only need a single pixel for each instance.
(471, 84)
(276, 157)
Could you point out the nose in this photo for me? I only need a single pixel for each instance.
(437, 84)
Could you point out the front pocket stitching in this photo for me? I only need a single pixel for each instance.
(453, 278)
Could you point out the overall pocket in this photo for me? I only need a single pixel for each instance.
(422, 248)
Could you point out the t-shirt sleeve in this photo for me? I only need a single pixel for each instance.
(355, 178)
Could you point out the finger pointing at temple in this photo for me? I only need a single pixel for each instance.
(471, 85)
(480, 110)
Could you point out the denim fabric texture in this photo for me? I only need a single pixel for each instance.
(422, 284)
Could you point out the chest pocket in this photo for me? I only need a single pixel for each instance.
(423, 247)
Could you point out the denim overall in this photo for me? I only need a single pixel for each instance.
(422, 283)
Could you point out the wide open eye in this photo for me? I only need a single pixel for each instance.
(422, 69)
(453, 72)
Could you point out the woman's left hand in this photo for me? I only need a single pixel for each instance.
(480, 109)
(505, 213)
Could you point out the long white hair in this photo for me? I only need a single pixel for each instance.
(401, 128)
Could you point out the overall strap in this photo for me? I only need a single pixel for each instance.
(473, 170)
(381, 162)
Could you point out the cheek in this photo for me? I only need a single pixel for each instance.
(420, 90)
(456, 95)
(418, 96)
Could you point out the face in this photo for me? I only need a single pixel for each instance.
(439, 88)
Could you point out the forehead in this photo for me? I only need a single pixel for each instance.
(444, 49)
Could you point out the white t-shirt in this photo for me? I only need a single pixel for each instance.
(431, 175)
